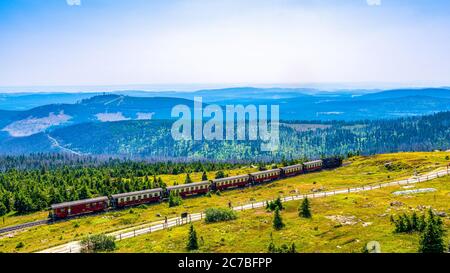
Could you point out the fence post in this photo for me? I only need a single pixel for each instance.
(134, 231)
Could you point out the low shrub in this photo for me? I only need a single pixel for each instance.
(219, 214)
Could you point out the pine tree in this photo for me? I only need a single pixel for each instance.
(174, 199)
(279, 204)
(304, 209)
(277, 220)
(415, 222)
(220, 174)
(188, 179)
(3, 209)
(432, 238)
(192, 243)
(293, 248)
(204, 176)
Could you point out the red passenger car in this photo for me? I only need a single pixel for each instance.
(313, 166)
(186, 190)
(266, 176)
(292, 170)
(68, 209)
(136, 198)
(231, 182)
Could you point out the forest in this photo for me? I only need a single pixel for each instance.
(34, 182)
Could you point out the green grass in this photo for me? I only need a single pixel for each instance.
(360, 171)
(252, 230)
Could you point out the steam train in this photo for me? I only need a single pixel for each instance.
(122, 200)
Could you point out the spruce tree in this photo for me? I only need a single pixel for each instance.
(415, 222)
(279, 204)
(220, 174)
(204, 176)
(277, 221)
(293, 248)
(304, 209)
(3, 209)
(188, 179)
(192, 243)
(432, 238)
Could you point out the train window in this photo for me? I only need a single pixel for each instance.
(88, 205)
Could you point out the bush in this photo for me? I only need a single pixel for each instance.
(20, 245)
(98, 243)
(174, 199)
(283, 249)
(219, 214)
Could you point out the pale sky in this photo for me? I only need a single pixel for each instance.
(224, 42)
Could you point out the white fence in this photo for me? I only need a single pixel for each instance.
(174, 222)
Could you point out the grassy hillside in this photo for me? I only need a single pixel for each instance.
(358, 171)
(339, 224)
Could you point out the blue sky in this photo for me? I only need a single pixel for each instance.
(224, 42)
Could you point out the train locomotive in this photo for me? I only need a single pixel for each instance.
(123, 200)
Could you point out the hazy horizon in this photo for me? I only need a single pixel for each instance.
(324, 87)
(221, 43)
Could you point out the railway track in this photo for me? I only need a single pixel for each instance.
(75, 247)
(25, 225)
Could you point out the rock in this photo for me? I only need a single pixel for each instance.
(441, 214)
(318, 189)
(422, 207)
(343, 220)
(366, 224)
(396, 204)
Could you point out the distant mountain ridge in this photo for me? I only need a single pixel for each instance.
(102, 108)
(295, 104)
(152, 139)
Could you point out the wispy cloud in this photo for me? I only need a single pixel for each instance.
(373, 2)
(73, 2)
